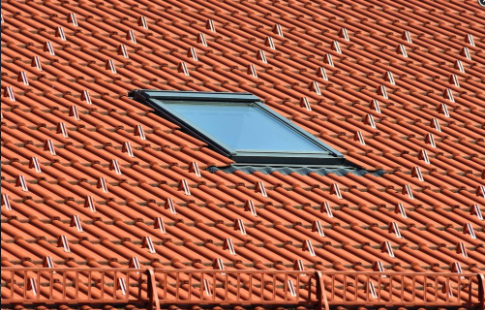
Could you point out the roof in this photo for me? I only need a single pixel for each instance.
(394, 86)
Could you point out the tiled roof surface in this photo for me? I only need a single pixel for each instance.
(131, 307)
(393, 85)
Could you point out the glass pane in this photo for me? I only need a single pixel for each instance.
(243, 127)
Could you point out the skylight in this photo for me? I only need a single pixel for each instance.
(241, 127)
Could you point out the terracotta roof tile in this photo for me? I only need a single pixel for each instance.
(404, 96)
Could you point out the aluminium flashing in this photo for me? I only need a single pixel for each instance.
(144, 94)
(323, 171)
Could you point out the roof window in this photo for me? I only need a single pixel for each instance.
(241, 127)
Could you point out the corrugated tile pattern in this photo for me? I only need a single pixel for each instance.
(131, 307)
(92, 178)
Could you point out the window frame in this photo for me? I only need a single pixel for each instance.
(244, 157)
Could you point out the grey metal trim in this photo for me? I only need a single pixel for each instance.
(340, 170)
(194, 95)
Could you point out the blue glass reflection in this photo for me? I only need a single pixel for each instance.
(243, 127)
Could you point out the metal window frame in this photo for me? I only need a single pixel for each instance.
(155, 98)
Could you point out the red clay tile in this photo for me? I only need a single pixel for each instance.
(90, 177)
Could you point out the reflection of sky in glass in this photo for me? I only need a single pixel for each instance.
(243, 127)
